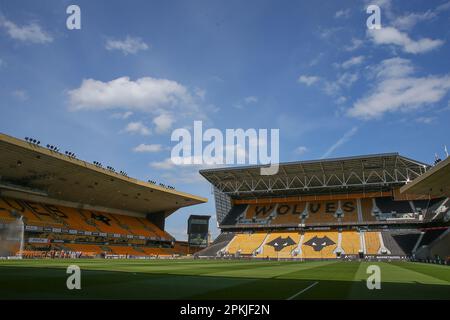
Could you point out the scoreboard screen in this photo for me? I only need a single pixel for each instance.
(198, 230)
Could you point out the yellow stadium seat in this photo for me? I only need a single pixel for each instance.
(351, 243)
(280, 245)
(372, 240)
(246, 243)
(319, 245)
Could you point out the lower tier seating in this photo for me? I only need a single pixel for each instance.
(280, 245)
(351, 243)
(319, 245)
(246, 243)
(47, 215)
(372, 242)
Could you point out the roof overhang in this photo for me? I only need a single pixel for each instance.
(26, 167)
(435, 182)
(346, 175)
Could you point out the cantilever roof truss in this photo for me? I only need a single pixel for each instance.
(318, 176)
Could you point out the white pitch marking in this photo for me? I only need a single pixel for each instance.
(300, 292)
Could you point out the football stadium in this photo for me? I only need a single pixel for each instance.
(311, 231)
(224, 159)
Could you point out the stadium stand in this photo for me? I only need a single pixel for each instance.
(288, 213)
(351, 243)
(367, 210)
(388, 205)
(321, 212)
(234, 214)
(319, 245)
(372, 242)
(215, 248)
(259, 212)
(405, 239)
(391, 244)
(279, 245)
(349, 209)
(72, 208)
(245, 244)
(334, 208)
(430, 235)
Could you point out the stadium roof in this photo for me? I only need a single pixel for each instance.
(27, 167)
(435, 182)
(338, 175)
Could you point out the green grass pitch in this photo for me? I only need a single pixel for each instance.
(220, 279)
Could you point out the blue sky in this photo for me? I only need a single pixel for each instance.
(114, 90)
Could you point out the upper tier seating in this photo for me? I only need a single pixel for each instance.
(259, 211)
(322, 211)
(349, 210)
(388, 205)
(246, 243)
(430, 206)
(288, 213)
(235, 212)
(366, 208)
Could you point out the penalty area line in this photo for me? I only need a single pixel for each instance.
(301, 291)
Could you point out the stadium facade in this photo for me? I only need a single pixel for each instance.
(71, 207)
(342, 208)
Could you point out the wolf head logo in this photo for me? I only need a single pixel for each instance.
(319, 243)
(280, 243)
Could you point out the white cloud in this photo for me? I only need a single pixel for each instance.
(163, 122)
(393, 68)
(130, 45)
(122, 115)
(341, 100)
(426, 120)
(353, 61)
(246, 101)
(392, 36)
(301, 150)
(201, 161)
(32, 32)
(396, 89)
(137, 127)
(356, 44)
(201, 93)
(345, 138)
(20, 95)
(409, 20)
(344, 13)
(251, 99)
(148, 148)
(316, 59)
(166, 164)
(145, 94)
(443, 7)
(327, 33)
(308, 80)
(344, 80)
